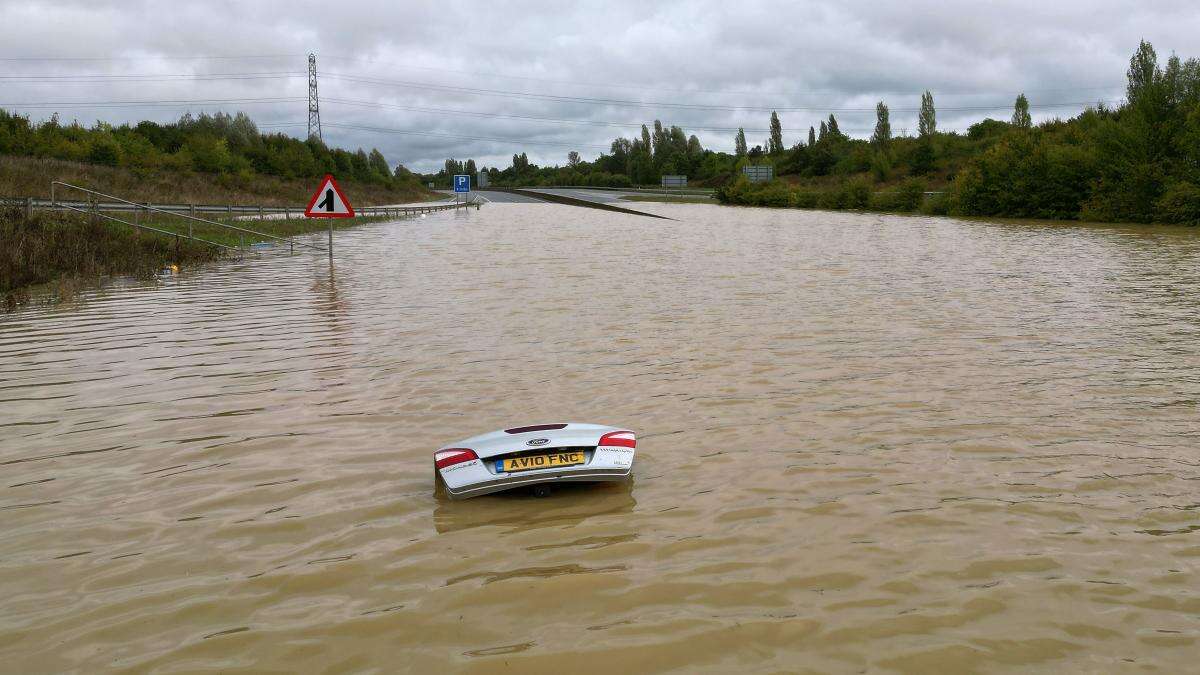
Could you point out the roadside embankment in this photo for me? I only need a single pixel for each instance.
(64, 251)
(31, 177)
(855, 195)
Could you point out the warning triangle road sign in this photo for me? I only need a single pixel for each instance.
(329, 202)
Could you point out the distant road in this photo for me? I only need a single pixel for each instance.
(599, 196)
(508, 198)
(602, 196)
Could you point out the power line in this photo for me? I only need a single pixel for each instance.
(812, 92)
(520, 141)
(144, 77)
(668, 104)
(156, 57)
(555, 120)
(151, 103)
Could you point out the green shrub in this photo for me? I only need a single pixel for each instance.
(1180, 203)
(885, 201)
(775, 193)
(881, 166)
(856, 194)
(910, 195)
(805, 199)
(941, 204)
(831, 199)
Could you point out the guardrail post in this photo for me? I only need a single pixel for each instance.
(260, 214)
(229, 210)
(29, 207)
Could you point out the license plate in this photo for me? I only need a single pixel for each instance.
(529, 462)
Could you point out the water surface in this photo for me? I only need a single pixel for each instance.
(865, 443)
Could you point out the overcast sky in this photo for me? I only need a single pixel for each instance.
(462, 79)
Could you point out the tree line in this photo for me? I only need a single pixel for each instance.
(215, 144)
(1137, 162)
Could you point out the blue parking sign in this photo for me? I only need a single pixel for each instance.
(462, 183)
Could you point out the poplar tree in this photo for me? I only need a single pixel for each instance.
(824, 130)
(812, 137)
(927, 122)
(739, 143)
(833, 127)
(775, 143)
(1143, 72)
(1020, 118)
(883, 128)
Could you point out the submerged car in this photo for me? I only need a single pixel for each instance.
(535, 456)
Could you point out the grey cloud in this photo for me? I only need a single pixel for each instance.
(820, 55)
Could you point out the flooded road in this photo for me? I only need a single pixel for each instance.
(865, 443)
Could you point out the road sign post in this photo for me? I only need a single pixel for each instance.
(329, 202)
(462, 184)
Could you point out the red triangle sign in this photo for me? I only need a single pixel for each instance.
(328, 201)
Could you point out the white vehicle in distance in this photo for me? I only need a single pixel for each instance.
(535, 456)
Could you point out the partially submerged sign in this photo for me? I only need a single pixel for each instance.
(329, 201)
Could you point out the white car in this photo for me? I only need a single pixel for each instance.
(535, 456)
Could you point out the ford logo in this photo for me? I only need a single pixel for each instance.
(538, 441)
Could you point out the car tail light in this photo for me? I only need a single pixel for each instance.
(452, 456)
(624, 439)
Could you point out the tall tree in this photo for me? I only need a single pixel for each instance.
(882, 138)
(927, 122)
(824, 130)
(469, 169)
(1143, 72)
(572, 159)
(646, 144)
(812, 137)
(833, 127)
(1021, 118)
(739, 143)
(775, 143)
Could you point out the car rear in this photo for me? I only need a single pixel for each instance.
(535, 455)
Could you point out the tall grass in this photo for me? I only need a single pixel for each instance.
(71, 249)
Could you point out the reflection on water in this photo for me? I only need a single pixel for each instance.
(571, 505)
(866, 443)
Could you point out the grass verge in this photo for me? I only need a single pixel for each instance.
(31, 177)
(66, 251)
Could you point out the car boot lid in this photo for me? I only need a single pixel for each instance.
(534, 437)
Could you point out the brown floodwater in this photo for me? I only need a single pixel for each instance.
(865, 443)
